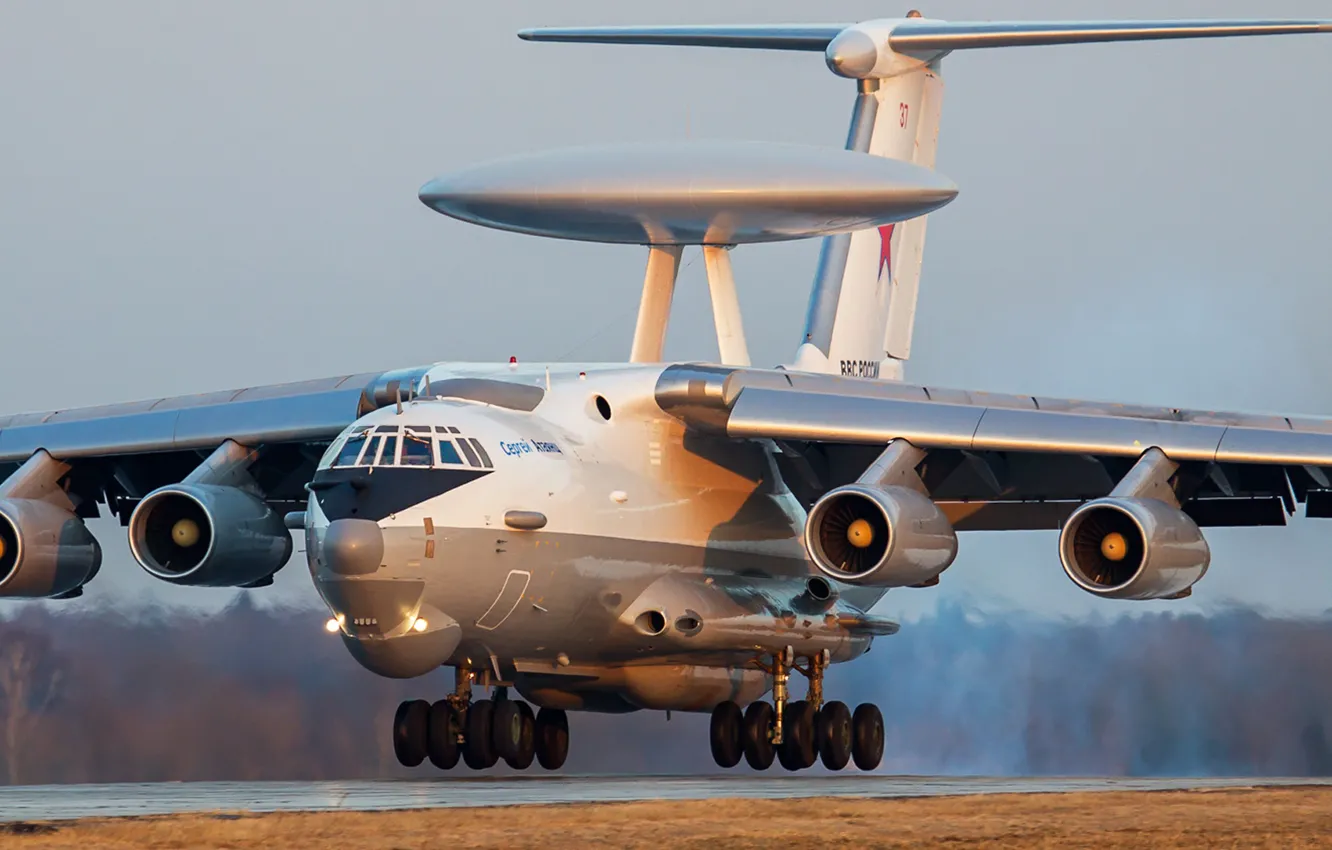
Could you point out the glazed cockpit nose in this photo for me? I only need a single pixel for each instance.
(353, 547)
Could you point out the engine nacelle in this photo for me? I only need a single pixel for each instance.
(45, 550)
(207, 535)
(879, 537)
(1123, 548)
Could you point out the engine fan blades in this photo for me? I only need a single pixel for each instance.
(1108, 547)
(849, 517)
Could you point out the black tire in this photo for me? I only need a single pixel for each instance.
(551, 738)
(506, 728)
(726, 733)
(758, 747)
(867, 736)
(799, 749)
(784, 759)
(478, 745)
(833, 735)
(409, 732)
(514, 733)
(442, 730)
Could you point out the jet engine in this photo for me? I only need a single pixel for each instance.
(1125, 548)
(208, 535)
(45, 550)
(879, 536)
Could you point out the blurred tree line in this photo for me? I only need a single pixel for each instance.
(100, 695)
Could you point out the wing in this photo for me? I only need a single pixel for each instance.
(1010, 462)
(130, 449)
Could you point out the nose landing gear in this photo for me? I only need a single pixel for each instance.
(480, 732)
(797, 733)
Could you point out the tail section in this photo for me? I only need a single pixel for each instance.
(863, 303)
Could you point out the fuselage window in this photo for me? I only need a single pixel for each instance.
(447, 453)
(415, 451)
(350, 451)
(469, 452)
(371, 449)
(389, 456)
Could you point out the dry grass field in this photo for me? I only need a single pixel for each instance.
(1275, 818)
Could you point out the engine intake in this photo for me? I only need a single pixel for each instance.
(45, 550)
(1123, 548)
(206, 535)
(880, 537)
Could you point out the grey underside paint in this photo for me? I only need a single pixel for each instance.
(537, 595)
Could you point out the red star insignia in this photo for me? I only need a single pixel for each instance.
(886, 248)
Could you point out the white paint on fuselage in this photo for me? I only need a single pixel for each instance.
(670, 494)
(632, 515)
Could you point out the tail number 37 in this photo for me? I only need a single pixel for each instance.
(903, 110)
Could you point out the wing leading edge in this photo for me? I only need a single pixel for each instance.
(305, 411)
(124, 451)
(1023, 461)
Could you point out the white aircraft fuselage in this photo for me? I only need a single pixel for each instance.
(592, 536)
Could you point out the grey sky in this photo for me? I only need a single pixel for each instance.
(207, 195)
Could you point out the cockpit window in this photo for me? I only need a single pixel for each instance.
(447, 453)
(485, 458)
(389, 455)
(415, 451)
(467, 450)
(350, 451)
(371, 449)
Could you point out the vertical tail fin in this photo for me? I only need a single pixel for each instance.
(863, 303)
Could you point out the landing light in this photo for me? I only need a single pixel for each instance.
(420, 625)
(332, 625)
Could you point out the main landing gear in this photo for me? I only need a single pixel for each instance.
(797, 733)
(479, 732)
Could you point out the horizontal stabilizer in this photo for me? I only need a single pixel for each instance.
(922, 35)
(813, 37)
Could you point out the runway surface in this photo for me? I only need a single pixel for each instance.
(59, 802)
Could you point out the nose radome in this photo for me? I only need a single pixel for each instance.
(353, 547)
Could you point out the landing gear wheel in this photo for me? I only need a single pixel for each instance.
(522, 759)
(726, 734)
(798, 750)
(757, 737)
(479, 746)
(551, 737)
(514, 733)
(409, 732)
(442, 730)
(867, 736)
(833, 735)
